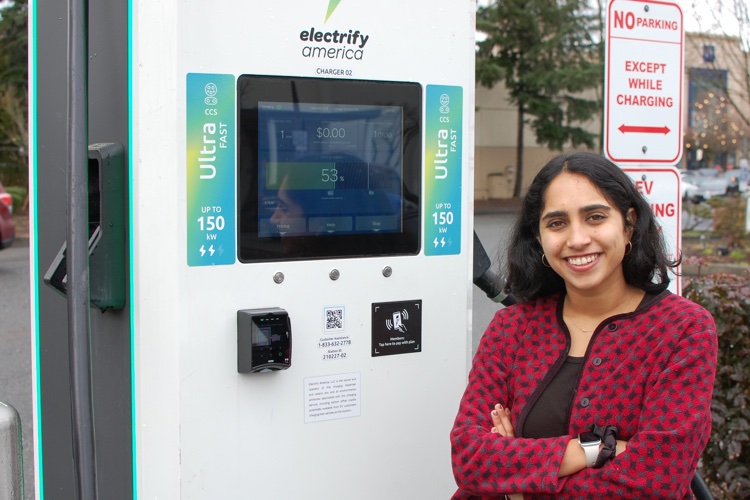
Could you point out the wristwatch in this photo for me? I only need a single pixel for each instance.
(590, 443)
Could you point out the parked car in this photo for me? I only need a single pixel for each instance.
(691, 192)
(7, 226)
(711, 182)
(717, 185)
(690, 188)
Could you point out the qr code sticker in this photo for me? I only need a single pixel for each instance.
(334, 319)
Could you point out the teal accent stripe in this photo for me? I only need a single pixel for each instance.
(35, 268)
(35, 225)
(133, 415)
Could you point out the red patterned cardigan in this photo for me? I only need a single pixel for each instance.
(649, 372)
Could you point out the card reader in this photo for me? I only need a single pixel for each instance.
(264, 340)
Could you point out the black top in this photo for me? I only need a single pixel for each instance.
(549, 416)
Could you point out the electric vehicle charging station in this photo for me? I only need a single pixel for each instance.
(298, 316)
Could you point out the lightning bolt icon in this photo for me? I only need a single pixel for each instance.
(202, 250)
(332, 4)
(211, 250)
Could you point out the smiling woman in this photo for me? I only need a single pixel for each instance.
(578, 387)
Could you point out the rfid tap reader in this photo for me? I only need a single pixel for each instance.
(264, 340)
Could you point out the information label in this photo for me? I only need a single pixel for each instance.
(443, 172)
(334, 347)
(210, 157)
(644, 75)
(396, 327)
(661, 188)
(332, 397)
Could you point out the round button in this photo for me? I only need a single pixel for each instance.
(585, 402)
(597, 361)
(612, 327)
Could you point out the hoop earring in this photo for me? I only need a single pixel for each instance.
(545, 262)
(627, 252)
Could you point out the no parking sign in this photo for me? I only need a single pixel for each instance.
(644, 68)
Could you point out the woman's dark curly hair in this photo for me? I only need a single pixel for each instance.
(644, 267)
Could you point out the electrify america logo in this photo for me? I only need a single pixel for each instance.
(333, 44)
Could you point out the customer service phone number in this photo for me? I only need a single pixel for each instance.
(334, 343)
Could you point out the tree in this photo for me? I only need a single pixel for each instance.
(14, 136)
(14, 44)
(15, 133)
(545, 53)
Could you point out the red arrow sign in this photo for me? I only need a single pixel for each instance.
(643, 130)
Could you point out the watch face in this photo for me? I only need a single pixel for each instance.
(589, 438)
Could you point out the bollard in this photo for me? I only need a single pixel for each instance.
(11, 457)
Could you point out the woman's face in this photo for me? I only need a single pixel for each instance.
(582, 234)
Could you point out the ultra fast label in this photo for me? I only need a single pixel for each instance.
(210, 169)
(443, 172)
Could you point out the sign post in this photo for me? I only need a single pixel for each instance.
(643, 81)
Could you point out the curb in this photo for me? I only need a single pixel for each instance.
(713, 268)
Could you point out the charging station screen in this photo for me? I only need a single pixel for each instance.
(328, 168)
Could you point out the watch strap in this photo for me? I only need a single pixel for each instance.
(592, 453)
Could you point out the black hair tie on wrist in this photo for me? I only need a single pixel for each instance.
(608, 435)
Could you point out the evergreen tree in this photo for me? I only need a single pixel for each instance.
(547, 52)
(14, 45)
(14, 137)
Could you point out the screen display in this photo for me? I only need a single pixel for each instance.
(262, 336)
(328, 168)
